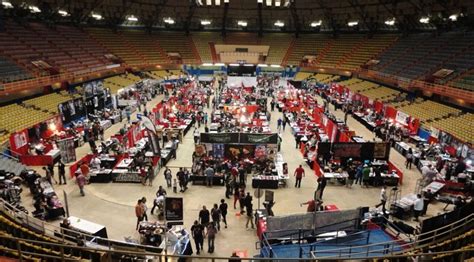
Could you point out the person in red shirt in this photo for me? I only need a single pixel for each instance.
(299, 174)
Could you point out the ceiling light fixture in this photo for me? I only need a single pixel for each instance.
(63, 13)
(234, 65)
(205, 22)
(169, 20)
(279, 23)
(453, 17)
(262, 65)
(208, 2)
(207, 64)
(269, 2)
(96, 16)
(260, 1)
(34, 9)
(7, 5)
(277, 3)
(353, 23)
(390, 22)
(226, 1)
(242, 23)
(219, 64)
(425, 20)
(132, 18)
(275, 66)
(316, 23)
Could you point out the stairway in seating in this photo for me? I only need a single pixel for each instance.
(289, 51)
(326, 49)
(353, 50)
(215, 57)
(194, 49)
(11, 166)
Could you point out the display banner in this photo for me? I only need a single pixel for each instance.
(361, 151)
(347, 149)
(246, 138)
(174, 208)
(402, 118)
(220, 138)
(154, 141)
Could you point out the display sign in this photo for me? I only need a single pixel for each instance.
(174, 208)
(67, 149)
(220, 138)
(347, 149)
(246, 138)
(360, 151)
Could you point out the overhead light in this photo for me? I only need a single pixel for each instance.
(279, 23)
(249, 65)
(219, 64)
(453, 17)
(226, 1)
(63, 13)
(34, 9)
(96, 16)
(208, 2)
(316, 23)
(132, 18)
(390, 22)
(260, 1)
(269, 2)
(207, 64)
(275, 66)
(242, 23)
(7, 5)
(277, 3)
(353, 23)
(262, 65)
(169, 20)
(234, 65)
(425, 20)
(205, 22)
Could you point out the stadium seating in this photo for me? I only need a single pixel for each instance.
(308, 45)
(116, 45)
(461, 126)
(48, 102)
(464, 82)
(15, 117)
(10, 72)
(145, 45)
(380, 93)
(241, 38)
(300, 76)
(324, 78)
(342, 47)
(279, 44)
(202, 40)
(428, 111)
(358, 85)
(118, 82)
(177, 42)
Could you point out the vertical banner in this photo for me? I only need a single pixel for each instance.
(67, 149)
(174, 208)
(154, 142)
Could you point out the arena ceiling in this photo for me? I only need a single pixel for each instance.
(253, 15)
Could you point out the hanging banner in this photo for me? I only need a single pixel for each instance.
(174, 208)
(67, 149)
(154, 141)
(246, 138)
(402, 118)
(220, 138)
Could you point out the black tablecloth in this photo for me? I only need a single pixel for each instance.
(216, 180)
(100, 178)
(265, 183)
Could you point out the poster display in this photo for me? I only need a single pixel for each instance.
(174, 208)
(218, 150)
(402, 118)
(67, 149)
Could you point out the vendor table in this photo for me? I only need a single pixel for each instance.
(125, 176)
(115, 119)
(417, 139)
(54, 153)
(125, 163)
(105, 124)
(402, 147)
(165, 156)
(403, 207)
(107, 162)
(387, 179)
(361, 119)
(265, 182)
(87, 227)
(335, 177)
(216, 180)
(100, 176)
(434, 187)
(358, 139)
(423, 163)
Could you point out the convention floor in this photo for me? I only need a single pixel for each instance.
(113, 204)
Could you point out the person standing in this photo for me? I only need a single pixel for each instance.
(383, 199)
(81, 181)
(196, 135)
(427, 197)
(249, 210)
(211, 236)
(284, 124)
(366, 176)
(216, 217)
(418, 207)
(209, 172)
(181, 179)
(299, 174)
(351, 173)
(139, 212)
(197, 231)
(145, 208)
(322, 182)
(47, 174)
(223, 208)
(272, 104)
(204, 216)
(279, 122)
(168, 177)
(61, 172)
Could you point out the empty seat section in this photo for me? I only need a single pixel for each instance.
(177, 42)
(202, 41)
(279, 44)
(312, 45)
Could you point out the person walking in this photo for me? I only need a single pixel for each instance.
(351, 174)
(299, 174)
(168, 177)
(223, 208)
(81, 182)
(197, 231)
(204, 216)
(61, 172)
(279, 122)
(211, 236)
(322, 182)
(145, 208)
(216, 217)
(365, 176)
(139, 212)
(160, 194)
(409, 159)
(196, 135)
(358, 175)
(249, 210)
(284, 124)
(383, 199)
(418, 207)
